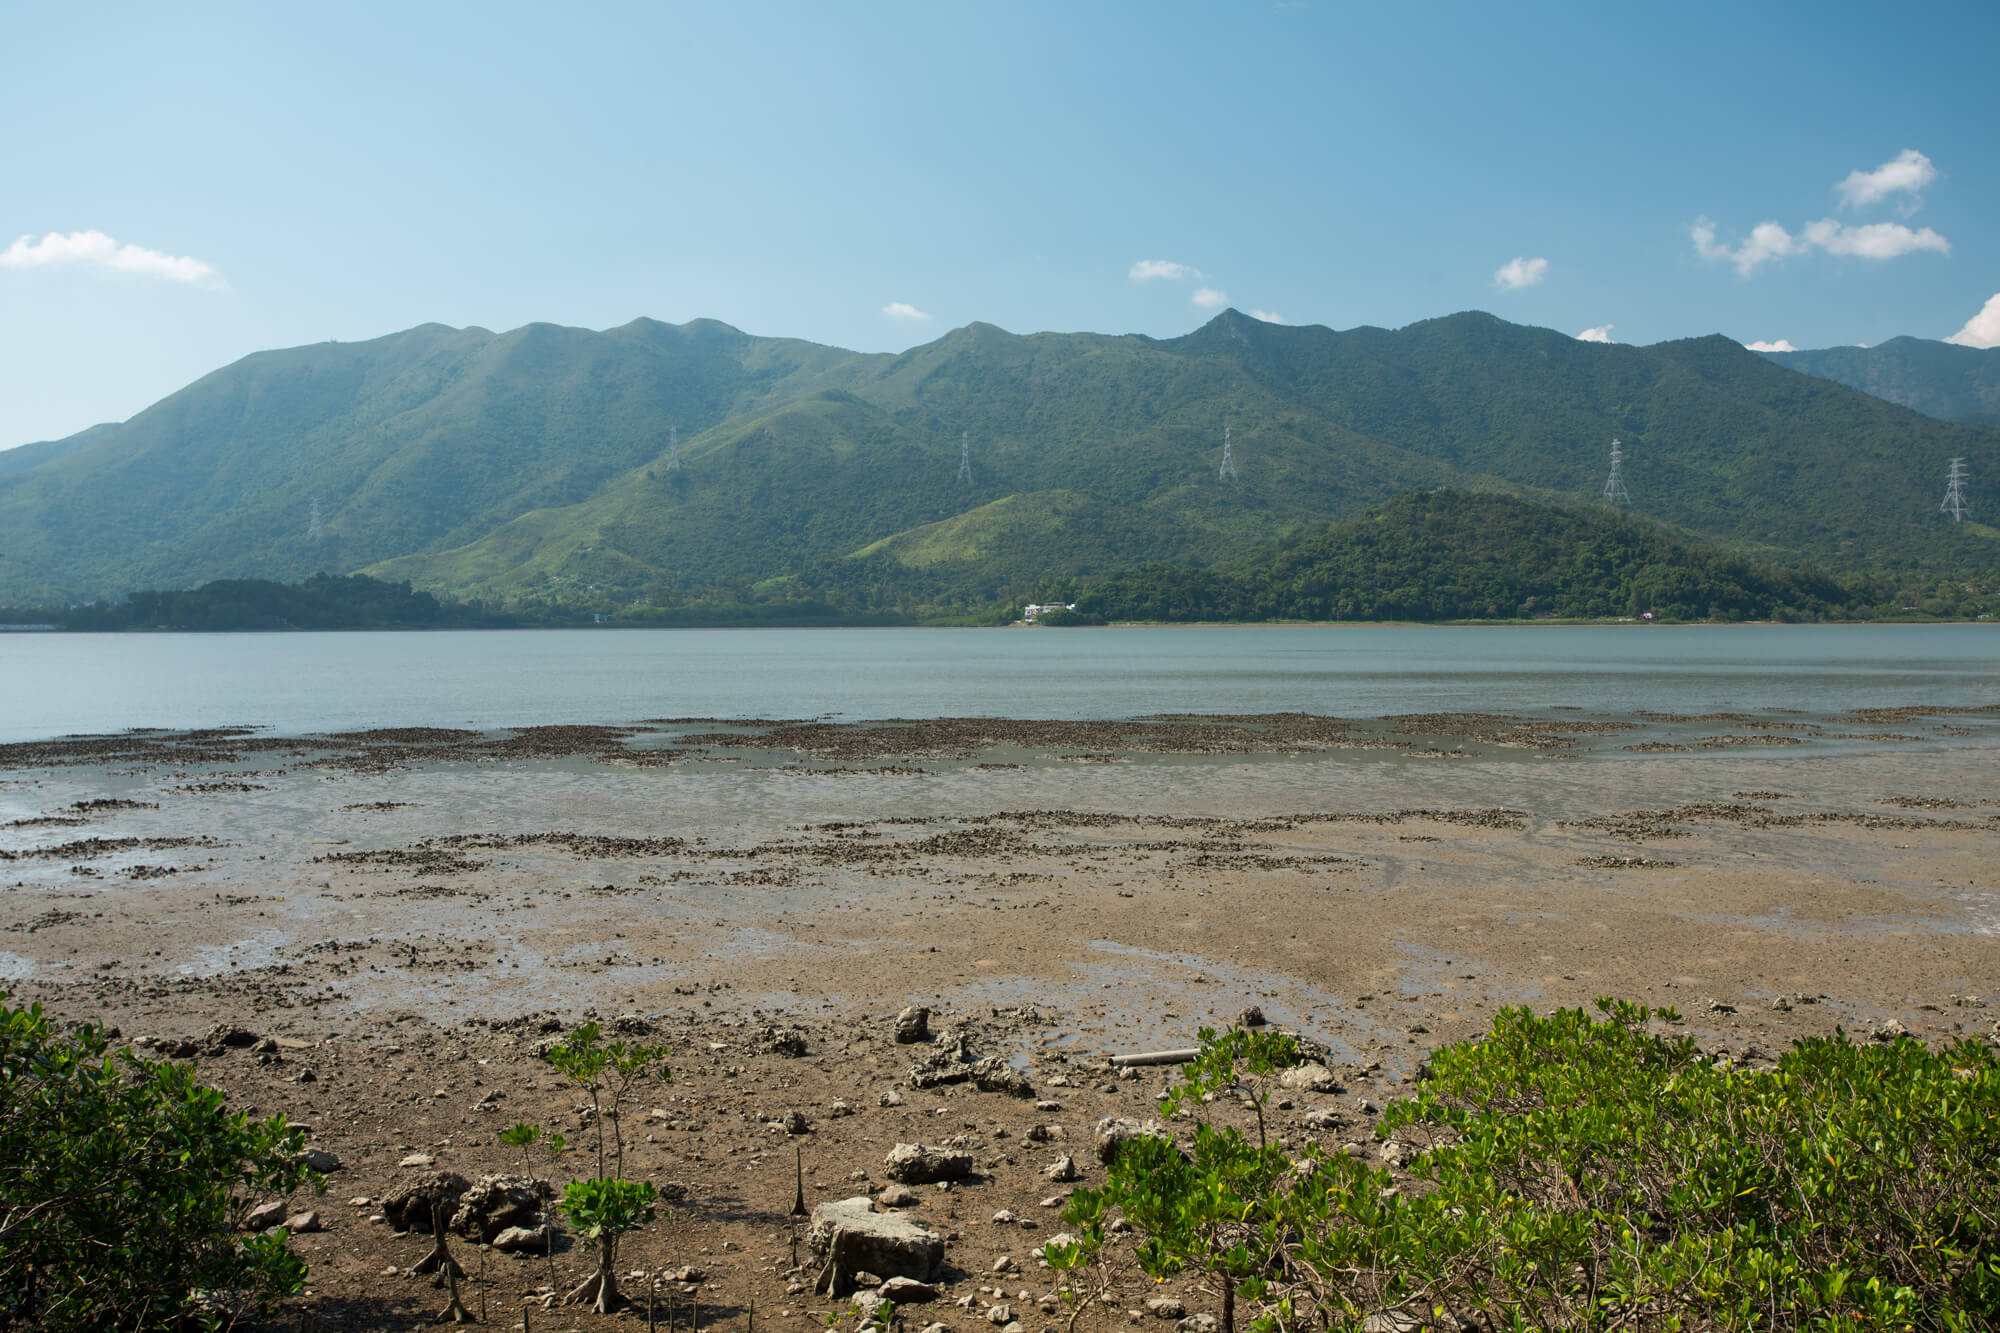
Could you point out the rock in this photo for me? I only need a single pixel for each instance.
(852, 1236)
(264, 1216)
(995, 1075)
(915, 1164)
(1004, 1264)
(913, 1024)
(1309, 1077)
(1000, 1314)
(226, 1034)
(1115, 1131)
(896, 1196)
(1046, 1134)
(1324, 1118)
(300, 1223)
(1252, 1017)
(1198, 1323)
(519, 1240)
(320, 1160)
(1782, 1005)
(907, 1291)
(410, 1208)
(936, 1328)
(1006, 1216)
(794, 1122)
(1889, 1029)
(890, 1098)
(418, 1160)
(1167, 1307)
(1718, 1007)
(495, 1203)
(786, 1041)
(1063, 1168)
(631, 1025)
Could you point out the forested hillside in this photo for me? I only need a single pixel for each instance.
(658, 465)
(1454, 555)
(1939, 379)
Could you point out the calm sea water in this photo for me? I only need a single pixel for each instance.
(54, 684)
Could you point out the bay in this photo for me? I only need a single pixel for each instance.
(55, 684)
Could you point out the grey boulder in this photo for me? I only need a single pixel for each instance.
(852, 1237)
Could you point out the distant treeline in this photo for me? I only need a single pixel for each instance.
(355, 601)
(323, 601)
(1458, 555)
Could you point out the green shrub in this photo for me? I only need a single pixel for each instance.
(122, 1182)
(1583, 1173)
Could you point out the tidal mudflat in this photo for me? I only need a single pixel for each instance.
(372, 932)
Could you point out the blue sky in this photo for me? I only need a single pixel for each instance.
(191, 185)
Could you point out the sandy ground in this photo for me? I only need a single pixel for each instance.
(407, 916)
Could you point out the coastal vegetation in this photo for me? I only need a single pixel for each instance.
(123, 1184)
(1583, 1172)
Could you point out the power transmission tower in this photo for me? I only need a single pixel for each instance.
(1954, 491)
(312, 521)
(673, 448)
(965, 457)
(1614, 485)
(1228, 469)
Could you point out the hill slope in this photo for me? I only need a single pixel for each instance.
(535, 463)
(1939, 379)
(1454, 555)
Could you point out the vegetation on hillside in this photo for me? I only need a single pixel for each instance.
(1456, 555)
(1423, 556)
(536, 465)
(1939, 379)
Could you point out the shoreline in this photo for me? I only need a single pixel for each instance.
(398, 919)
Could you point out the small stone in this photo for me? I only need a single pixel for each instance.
(320, 1160)
(1198, 1323)
(908, 1291)
(418, 1160)
(794, 1122)
(1309, 1077)
(915, 1164)
(890, 1098)
(1004, 1264)
(359, 1201)
(515, 1240)
(1006, 1216)
(1252, 1017)
(1167, 1307)
(1000, 1314)
(1063, 1168)
(264, 1216)
(300, 1223)
(1115, 1131)
(913, 1024)
(896, 1196)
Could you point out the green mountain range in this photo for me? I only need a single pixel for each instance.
(1939, 379)
(662, 464)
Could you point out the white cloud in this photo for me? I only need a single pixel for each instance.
(1208, 298)
(1909, 172)
(1983, 329)
(1782, 345)
(95, 250)
(903, 310)
(1269, 316)
(1768, 241)
(1600, 334)
(1877, 240)
(1520, 272)
(1162, 268)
